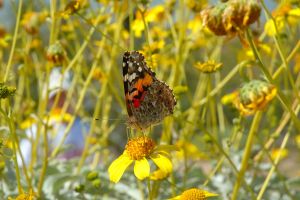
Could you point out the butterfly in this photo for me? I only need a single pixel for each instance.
(148, 100)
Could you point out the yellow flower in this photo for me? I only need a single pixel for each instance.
(71, 8)
(195, 25)
(194, 194)
(139, 150)
(297, 63)
(4, 38)
(159, 175)
(282, 153)
(229, 98)
(31, 21)
(254, 96)
(156, 13)
(293, 16)
(25, 196)
(247, 53)
(56, 115)
(196, 5)
(209, 66)
(189, 150)
(298, 140)
(270, 28)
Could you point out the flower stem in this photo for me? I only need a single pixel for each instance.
(281, 96)
(246, 156)
(149, 188)
(15, 143)
(267, 179)
(12, 50)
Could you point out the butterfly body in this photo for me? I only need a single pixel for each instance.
(148, 100)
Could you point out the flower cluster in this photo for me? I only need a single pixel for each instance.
(55, 53)
(254, 96)
(6, 91)
(208, 67)
(231, 17)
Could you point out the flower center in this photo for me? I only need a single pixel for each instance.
(139, 147)
(194, 194)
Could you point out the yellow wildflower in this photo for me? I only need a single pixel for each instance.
(55, 116)
(139, 150)
(209, 66)
(298, 140)
(159, 175)
(229, 98)
(282, 153)
(156, 13)
(254, 96)
(247, 53)
(4, 37)
(194, 194)
(189, 150)
(31, 21)
(71, 8)
(297, 63)
(270, 28)
(98, 74)
(55, 53)
(293, 16)
(195, 25)
(196, 5)
(25, 196)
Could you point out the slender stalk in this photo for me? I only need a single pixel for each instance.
(82, 93)
(14, 41)
(280, 95)
(149, 189)
(267, 179)
(218, 87)
(279, 49)
(246, 156)
(15, 145)
(235, 170)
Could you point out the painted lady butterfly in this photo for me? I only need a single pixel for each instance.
(148, 99)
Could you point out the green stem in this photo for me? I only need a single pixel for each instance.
(235, 170)
(246, 156)
(278, 47)
(82, 93)
(218, 87)
(267, 179)
(149, 189)
(45, 161)
(13, 135)
(280, 95)
(13, 46)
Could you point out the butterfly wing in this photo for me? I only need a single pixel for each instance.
(148, 100)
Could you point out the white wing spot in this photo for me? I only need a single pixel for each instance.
(130, 64)
(124, 64)
(126, 77)
(140, 69)
(131, 77)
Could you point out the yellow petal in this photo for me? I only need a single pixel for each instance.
(118, 167)
(162, 162)
(142, 169)
(158, 175)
